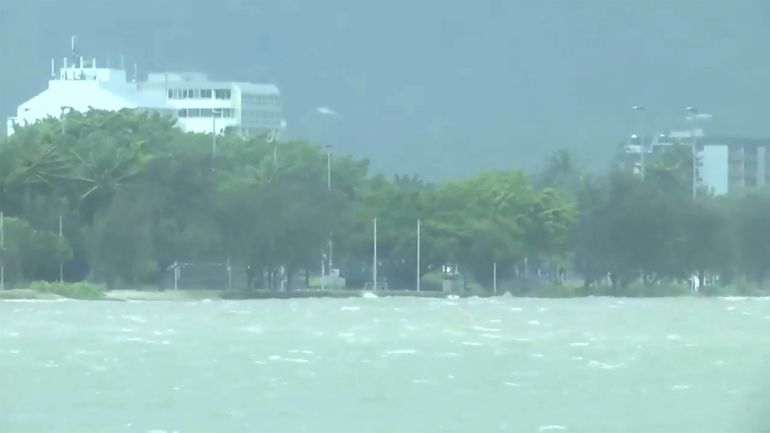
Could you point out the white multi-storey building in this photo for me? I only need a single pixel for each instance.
(202, 105)
(198, 104)
(82, 86)
(724, 164)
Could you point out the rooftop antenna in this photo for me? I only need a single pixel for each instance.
(74, 52)
(136, 73)
(53, 68)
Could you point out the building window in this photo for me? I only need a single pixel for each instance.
(222, 94)
(170, 94)
(206, 112)
(183, 112)
(206, 93)
(193, 112)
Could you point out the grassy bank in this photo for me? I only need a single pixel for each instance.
(81, 290)
(340, 293)
(47, 291)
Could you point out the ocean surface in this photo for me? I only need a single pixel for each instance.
(386, 365)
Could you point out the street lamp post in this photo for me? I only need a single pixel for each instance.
(329, 191)
(2, 250)
(494, 278)
(273, 138)
(418, 254)
(640, 109)
(374, 256)
(327, 112)
(61, 236)
(694, 111)
(694, 116)
(214, 113)
(65, 109)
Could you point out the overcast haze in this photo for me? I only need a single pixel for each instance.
(459, 86)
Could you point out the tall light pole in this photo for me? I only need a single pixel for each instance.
(274, 137)
(329, 191)
(329, 167)
(374, 256)
(418, 254)
(65, 109)
(214, 113)
(640, 109)
(61, 238)
(694, 116)
(2, 250)
(494, 278)
(327, 113)
(692, 112)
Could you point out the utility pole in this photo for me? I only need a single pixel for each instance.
(418, 254)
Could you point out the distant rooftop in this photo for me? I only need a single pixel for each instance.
(197, 80)
(168, 77)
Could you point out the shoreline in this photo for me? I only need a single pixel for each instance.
(126, 295)
(186, 295)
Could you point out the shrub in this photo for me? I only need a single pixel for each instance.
(739, 287)
(660, 289)
(553, 290)
(80, 290)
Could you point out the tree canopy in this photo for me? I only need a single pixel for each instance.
(136, 195)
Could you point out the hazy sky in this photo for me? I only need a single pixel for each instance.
(436, 87)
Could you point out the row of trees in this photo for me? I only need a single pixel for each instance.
(654, 232)
(136, 194)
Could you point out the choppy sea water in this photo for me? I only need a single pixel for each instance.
(386, 365)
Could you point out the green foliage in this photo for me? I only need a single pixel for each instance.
(136, 194)
(552, 289)
(81, 290)
(649, 238)
(639, 289)
(31, 253)
(739, 287)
